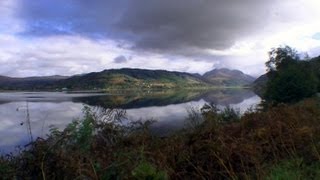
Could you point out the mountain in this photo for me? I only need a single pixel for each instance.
(260, 84)
(133, 78)
(107, 79)
(227, 77)
(129, 79)
(29, 83)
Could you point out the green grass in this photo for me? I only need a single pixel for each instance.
(294, 169)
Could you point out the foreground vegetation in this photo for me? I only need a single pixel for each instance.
(282, 142)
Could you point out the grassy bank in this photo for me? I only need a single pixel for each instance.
(282, 142)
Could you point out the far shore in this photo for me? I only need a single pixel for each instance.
(128, 89)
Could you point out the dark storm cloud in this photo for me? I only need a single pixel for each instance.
(172, 26)
(120, 59)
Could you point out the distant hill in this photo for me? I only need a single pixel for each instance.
(133, 78)
(129, 79)
(29, 83)
(260, 84)
(227, 77)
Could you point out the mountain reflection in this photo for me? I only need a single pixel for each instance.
(221, 97)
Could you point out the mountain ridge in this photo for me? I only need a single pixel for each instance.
(126, 78)
(228, 77)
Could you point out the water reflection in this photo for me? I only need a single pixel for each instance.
(14, 128)
(162, 98)
(168, 108)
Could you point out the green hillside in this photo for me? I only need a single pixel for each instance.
(129, 79)
(133, 78)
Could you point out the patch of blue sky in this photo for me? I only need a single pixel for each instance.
(316, 36)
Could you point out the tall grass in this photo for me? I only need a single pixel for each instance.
(279, 143)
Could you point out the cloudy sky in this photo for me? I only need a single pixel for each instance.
(65, 37)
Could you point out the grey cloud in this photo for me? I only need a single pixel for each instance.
(120, 59)
(166, 26)
(314, 52)
(34, 64)
(172, 24)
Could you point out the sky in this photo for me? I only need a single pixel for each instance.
(67, 37)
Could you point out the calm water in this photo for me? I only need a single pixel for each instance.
(168, 108)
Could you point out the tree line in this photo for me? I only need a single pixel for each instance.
(291, 77)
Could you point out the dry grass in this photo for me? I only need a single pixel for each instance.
(262, 145)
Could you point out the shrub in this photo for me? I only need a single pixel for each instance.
(146, 170)
(294, 169)
(291, 85)
(229, 114)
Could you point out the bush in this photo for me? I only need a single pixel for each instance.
(211, 112)
(146, 170)
(291, 85)
(230, 115)
(294, 169)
